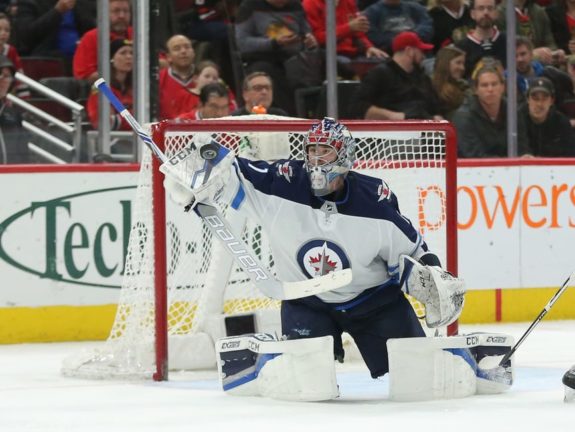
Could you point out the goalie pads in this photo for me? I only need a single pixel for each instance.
(448, 367)
(200, 172)
(261, 365)
(441, 293)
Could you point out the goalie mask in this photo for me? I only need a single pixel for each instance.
(329, 155)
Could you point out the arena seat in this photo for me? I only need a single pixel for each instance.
(43, 67)
(72, 88)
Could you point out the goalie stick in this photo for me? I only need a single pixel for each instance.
(220, 228)
(546, 309)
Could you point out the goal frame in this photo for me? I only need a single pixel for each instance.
(159, 208)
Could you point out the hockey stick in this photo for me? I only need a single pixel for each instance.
(220, 228)
(549, 305)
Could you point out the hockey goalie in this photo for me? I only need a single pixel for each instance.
(323, 217)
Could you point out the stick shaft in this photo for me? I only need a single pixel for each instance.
(101, 85)
(546, 309)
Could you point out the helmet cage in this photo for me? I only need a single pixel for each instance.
(329, 133)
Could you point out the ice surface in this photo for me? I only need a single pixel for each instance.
(35, 397)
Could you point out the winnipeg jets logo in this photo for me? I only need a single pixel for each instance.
(383, 191)
(320, 257)
(285, 171)
(322, 264)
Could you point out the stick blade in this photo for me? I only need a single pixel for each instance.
(309, 287)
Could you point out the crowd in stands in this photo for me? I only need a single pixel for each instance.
(406, 59)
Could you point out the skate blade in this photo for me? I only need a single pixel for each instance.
(569, 394)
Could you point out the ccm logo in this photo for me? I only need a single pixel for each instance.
(180, 156)
(254, 346)
(472, 340)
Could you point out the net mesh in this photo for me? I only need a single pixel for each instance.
(202, 279)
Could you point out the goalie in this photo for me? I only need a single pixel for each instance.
(321, 217)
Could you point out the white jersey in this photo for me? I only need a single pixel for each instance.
(310, 236)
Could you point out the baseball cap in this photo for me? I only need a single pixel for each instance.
(541, 84)
(409, 39)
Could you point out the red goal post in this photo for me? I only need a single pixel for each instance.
(181, 290)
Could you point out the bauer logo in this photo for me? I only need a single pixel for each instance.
(80, 238)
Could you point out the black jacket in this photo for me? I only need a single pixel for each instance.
(388, 86)
(475, 50)
(552, 138)
(480, 137)
(556, 13)
(37, 25)
(13, 137)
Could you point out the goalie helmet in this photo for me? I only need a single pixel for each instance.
(325, 168)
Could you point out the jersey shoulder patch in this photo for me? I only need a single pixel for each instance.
(285, 170)
(288, 170)
(383, 191)
(372, 189)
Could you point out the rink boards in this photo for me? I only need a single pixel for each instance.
(64, 230)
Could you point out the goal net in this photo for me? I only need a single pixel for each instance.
(181, 290)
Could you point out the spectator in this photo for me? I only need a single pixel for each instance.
(568, 105)
(268, 33)
(208, 72)
(258, 95)
(350, 31)
(122, 62)
(482, 124)
(571, 68)
(13, 137)
(561, 15)
(207, 22)
(451, 21)
(549, 132)
(5, 48)
(214, 103)
(10, 52)
(528, 68)
(448, 80)
(388, 18)
(484, 40)
(9, 7)
(532, 22)
(177, 80)
(204, 20)
(398, 88)
(86, 56)
(53, 28)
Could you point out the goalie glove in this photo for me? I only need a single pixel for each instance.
(441, 293)
(198, 173)
(178, 193)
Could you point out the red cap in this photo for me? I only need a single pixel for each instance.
(409, 39)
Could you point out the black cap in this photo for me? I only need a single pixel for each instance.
(541, 84)
(116, 44)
